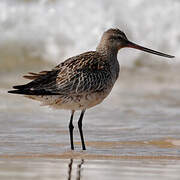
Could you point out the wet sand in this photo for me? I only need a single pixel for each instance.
(88, 169)
(133, 134)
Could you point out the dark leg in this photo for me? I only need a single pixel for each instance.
(80, 129)
(71, 127)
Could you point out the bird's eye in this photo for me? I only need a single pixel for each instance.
(115, 37)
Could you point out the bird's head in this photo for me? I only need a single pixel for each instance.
(114, 40)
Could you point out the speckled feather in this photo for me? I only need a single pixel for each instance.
(87, 72)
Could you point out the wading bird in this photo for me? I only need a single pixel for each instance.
(82, 81)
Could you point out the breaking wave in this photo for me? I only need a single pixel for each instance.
(49, 31)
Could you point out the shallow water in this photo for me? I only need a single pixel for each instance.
(134, 133)
(89, 169)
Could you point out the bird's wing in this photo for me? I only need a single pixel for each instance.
(83, 73)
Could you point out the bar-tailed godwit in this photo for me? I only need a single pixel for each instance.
(82, 81)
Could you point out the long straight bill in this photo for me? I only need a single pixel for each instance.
(136, 46)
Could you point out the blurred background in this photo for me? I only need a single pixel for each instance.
(36, 32)
(140, 118)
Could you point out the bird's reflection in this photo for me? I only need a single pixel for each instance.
(70, 169)
(78, 169)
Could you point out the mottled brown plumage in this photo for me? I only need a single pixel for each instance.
(82, 81)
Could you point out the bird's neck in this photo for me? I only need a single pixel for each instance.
(109, 52)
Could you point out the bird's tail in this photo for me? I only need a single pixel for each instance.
(26, 90)
(20, 89)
